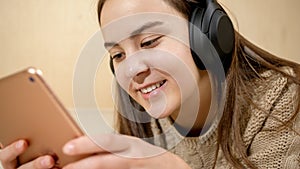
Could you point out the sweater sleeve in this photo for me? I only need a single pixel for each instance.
(270, 143)
(293, 154)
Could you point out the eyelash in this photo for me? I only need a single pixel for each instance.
(146, 45)
(117, 56)
(150, 43)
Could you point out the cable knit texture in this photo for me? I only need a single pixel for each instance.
(269, 145)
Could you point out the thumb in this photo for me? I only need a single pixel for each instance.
(127, 146)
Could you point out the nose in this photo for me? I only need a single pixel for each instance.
(137, 69)
(133, 69)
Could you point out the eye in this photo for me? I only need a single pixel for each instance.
(119, 56)
(150, 42)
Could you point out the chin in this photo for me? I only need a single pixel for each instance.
(157, 115)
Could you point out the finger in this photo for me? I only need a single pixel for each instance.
(103, 161)
(9, 154)
(122, 145)
(42, 162)
(100, 144)
(81, 145)
(128, 146)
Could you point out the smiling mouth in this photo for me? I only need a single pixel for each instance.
(150, 88)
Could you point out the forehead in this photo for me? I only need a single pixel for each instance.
(122, 19)
(115, 9)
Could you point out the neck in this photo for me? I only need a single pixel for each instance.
(193, 117)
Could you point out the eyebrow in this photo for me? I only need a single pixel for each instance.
(136, 32)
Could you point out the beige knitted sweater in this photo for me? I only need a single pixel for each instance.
(267, 147)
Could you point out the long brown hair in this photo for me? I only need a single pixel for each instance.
(244, 68)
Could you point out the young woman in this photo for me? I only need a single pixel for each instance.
(161, 84)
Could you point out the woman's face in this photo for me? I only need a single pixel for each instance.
(150, 56)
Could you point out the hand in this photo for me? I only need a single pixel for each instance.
(119, 151)
(8, 157)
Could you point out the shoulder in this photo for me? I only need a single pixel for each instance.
(284, 93)
(274, 97)
(270, 130)
(274, 87)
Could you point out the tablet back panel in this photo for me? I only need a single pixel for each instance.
(29, 110)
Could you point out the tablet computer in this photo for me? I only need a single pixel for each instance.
(30, 110)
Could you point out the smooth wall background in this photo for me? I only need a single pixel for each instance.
(50, 35)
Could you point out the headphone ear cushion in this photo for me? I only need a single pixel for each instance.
(221, 34)
(195, 23)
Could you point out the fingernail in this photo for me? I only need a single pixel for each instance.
(20, 144)
(46, 162)
(69, 148)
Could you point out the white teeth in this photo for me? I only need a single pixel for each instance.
(152, 87)
(144, 90)
(149, 89)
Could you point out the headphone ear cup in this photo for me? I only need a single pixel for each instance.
(221, 34)
(194, 37)
(217, 26)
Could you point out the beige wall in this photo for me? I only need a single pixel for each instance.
(50, 35)
(271, 24)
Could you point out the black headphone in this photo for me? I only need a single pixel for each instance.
(213, 21)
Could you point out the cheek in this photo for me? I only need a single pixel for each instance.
(183, 53)
(171, 63)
